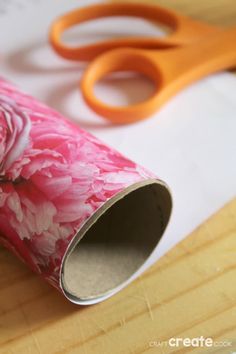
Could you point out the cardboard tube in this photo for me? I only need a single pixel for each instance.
(74, 210)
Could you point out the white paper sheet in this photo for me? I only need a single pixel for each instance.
(190, 143)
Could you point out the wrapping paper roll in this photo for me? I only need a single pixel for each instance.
(74, 210)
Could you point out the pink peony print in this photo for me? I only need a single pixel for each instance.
(14, 133)
(53, 177)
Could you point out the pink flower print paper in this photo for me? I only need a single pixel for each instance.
(56, 181)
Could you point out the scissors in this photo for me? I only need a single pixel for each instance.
(191, 51)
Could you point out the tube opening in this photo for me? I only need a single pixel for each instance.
(117, 243)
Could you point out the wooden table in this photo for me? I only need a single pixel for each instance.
(191, 292)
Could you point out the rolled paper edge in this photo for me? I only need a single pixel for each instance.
(90, 300)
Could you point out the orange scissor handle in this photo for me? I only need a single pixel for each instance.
(171, 70)
(192, 50)
(184, 29)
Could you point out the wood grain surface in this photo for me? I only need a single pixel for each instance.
(190, 292)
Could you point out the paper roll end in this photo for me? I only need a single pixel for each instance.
(116, 242)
